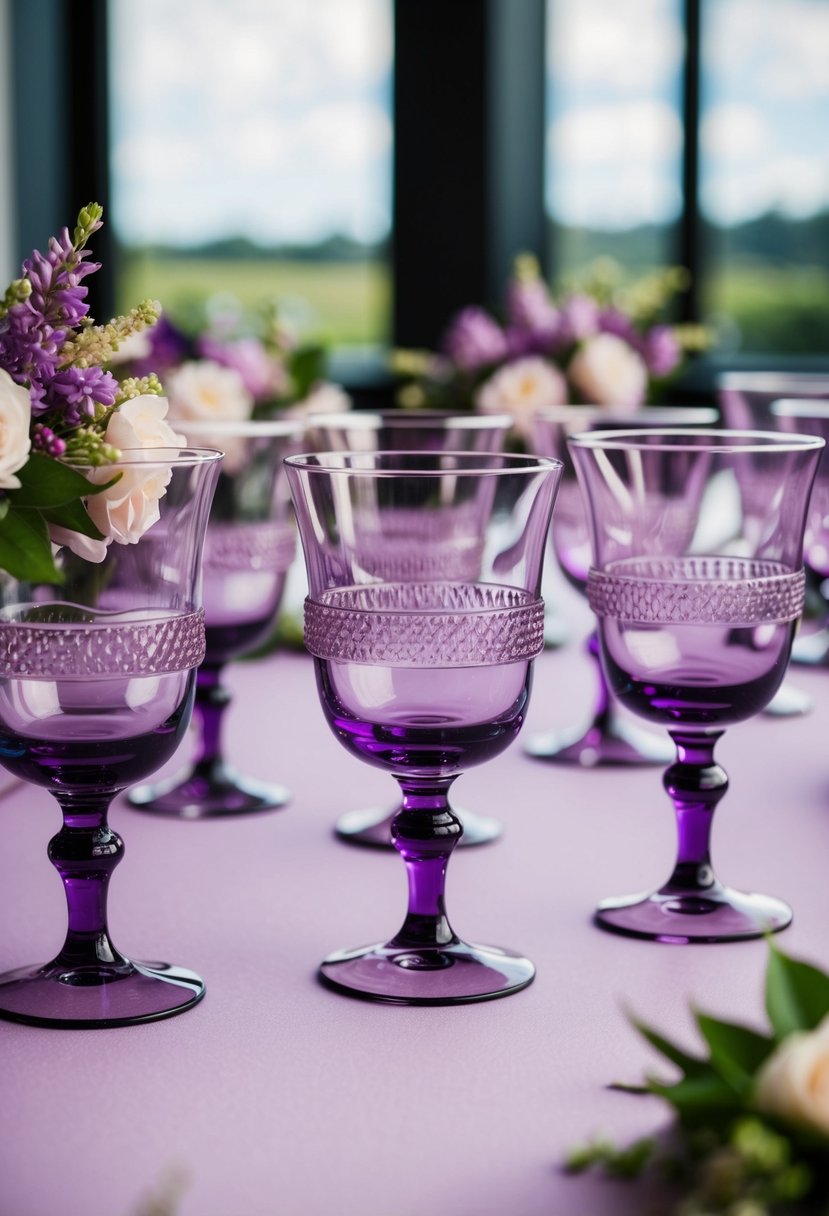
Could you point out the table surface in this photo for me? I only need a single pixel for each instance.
(277, 1097)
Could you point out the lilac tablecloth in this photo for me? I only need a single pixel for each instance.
(276, 1097)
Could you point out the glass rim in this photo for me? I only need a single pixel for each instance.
(374, 419)
(710, 413)
(801, 407)
(472, 464)
(770, 380)
(244, 428)
(720, 441)
(167, 457)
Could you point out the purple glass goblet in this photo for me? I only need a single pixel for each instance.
(809, 416)
(747, 403)
(424, 677)
(248, 551)
(609, 737)
(410, 431)
(96, 688)
(696, 627)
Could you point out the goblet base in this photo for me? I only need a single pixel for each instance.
(715, 914)
(455, 974)
(89, 998)
(372, 829)
(611, 742)
(197, 795)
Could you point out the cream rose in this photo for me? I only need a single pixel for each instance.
(521, 388)
(324, 398)
(15, 417)
(125, 510)
(794, 1081)
(202, 389)
(606, 370)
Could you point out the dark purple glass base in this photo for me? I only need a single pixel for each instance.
(86, 998)
(452, 974)
(608, 740)
(205, 792)
(372, 829)
(718, 914)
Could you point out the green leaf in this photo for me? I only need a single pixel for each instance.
(307, 366)
(45, 482)
(690, 1065)
(736, 1051)
(797, 994)
(73, 515)
(25, 549)
(702, 1098)
(5, 504)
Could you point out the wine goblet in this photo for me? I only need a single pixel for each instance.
(809, 416)
(424, 677)
(608, 738)
(747, 402)
(410, 431)
(696, 627)
(96, 689)
(248, 551)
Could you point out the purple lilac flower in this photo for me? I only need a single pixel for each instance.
(579, 319)
(169, 346)
(262, 375)
(45, 440)
(531, 312)
(661, 350)
(474, 340)
(34, 330)
(75, 393)
(612, 321)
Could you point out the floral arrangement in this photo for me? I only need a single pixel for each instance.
(601, 342)
(64, 417)
(752, 1116)
(233, 367)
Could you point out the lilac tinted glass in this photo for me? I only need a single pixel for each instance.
(424, 677)
(697, 585)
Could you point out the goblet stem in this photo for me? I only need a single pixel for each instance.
(85, 852)
(210, 786)
(695, 784)
(212, 699)
(608, 737)
(693, 905)
(425, 831)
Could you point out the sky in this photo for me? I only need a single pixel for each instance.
(271, 118)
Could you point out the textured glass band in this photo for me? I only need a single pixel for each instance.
(425, 625)
(698, 590)
(140, 648)
(258, 545)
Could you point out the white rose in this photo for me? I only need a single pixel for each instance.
(204, 389)
(324, 398)
(606, 370)
(794, 1081)
(15, 417)
(141, 423)
(521, 388)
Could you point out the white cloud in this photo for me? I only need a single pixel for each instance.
(797, 186)
(783, 49)
(615, 134)
(630, 46)
(732, 131)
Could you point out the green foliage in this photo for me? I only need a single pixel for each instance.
(724, 1156)
(49, 493)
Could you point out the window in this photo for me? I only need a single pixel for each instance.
(250, 157)
(695, 132)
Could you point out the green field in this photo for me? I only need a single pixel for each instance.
(756, 308)
(344, 303)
